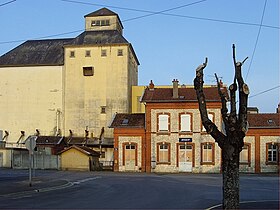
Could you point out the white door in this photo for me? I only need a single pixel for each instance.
(185, 158)
(129, 157)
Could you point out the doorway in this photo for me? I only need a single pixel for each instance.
(130, 157)
(185, 158)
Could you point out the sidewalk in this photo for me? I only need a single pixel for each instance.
(265, 204)
(10, 186)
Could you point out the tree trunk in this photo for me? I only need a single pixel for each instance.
(230, 170)
(236, 126)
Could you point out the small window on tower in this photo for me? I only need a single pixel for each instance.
(88, 71)
(103, 110)
(103, 53)
(72, 54)
(120, 52)
(87, 53)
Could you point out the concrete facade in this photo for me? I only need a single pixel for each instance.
(30, 102)
(50, 87)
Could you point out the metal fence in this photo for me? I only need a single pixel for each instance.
(40, 160)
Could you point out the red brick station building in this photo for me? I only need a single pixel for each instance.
(169, 136)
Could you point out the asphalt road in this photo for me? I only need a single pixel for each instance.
(107, 190)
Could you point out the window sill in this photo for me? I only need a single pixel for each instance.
(271, 163)
(245, 163)
(207, 163)
(163, 163)
(163, 133)
(185, 133)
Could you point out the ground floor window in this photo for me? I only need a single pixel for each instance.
(207, 153)
(271, 153)
(163, 152)
(244, 157)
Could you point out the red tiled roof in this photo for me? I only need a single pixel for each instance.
(128, 120)
(185, 94)
(270, 120)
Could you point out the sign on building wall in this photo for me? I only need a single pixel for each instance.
(185, 139)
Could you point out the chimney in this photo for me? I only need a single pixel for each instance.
(175, 88)
(278, 108)
(151, 85)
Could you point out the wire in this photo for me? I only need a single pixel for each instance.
(43, 37)
(265, 91)
(175, 15)
(151, 13)
(7, 3)
(161, 12)
(154, 13)
(257, 40)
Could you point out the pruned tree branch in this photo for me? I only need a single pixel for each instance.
(210, 127)
(224, 100)
(243, 95)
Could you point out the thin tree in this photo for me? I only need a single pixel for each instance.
(231, 140)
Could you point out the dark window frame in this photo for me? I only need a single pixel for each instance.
(88, 71)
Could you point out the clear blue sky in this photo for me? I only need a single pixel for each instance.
(173, 43)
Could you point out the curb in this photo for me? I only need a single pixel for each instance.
(30, 192)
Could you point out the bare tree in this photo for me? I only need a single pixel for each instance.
(236, 125)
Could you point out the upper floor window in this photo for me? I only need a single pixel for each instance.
(100, 22)
(120, 52)
(185, 122)
(88, 71)
(271, 153)
(103, 109)
(72, 54)
(211, 117)
(163, 122)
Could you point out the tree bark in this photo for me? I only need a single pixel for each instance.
(236, 127)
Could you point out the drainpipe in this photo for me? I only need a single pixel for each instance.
(57, 133)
